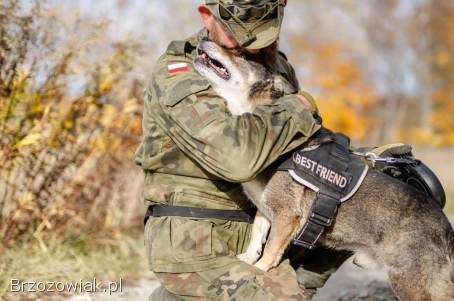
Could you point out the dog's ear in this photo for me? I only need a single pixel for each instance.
(281, 84)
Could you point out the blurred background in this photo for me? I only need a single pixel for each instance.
(71, 80)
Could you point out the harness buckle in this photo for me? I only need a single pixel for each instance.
(320, 219)
(304, 244)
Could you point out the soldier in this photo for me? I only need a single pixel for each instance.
(195, 153)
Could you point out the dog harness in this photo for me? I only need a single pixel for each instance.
(333, 172)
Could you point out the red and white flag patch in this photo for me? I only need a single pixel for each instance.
(177, 67)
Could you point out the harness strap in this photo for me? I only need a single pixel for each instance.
(333, 153)
(246, 216)
(322, 214)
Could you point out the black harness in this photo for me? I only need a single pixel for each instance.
(334, 173)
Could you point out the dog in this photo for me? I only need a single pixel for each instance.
(386, 223)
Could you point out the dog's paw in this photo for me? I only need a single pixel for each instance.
(262, 265)
(365, 261)
(248, 258)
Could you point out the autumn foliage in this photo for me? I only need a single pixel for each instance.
(388, 77)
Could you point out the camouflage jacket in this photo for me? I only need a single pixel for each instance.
(194, 152)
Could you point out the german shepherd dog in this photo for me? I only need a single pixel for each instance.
(386, 223)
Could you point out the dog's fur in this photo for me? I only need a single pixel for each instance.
(386, 223)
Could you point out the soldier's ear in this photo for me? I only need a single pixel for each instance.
(206, 15)
(281, 84)
(204, 11)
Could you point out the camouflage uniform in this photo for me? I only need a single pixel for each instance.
(195, 153)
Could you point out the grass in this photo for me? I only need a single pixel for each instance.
(449, 209)
(108, 258)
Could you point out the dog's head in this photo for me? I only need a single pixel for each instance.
(229, 71)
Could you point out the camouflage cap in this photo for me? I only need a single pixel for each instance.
(255, 24)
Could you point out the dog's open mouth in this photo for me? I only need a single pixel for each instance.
(214, 64)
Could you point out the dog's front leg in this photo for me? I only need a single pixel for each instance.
(282, 230)
(260, 230)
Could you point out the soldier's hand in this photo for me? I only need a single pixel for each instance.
(393, 150)
(307, 103)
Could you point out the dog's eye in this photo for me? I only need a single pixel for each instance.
(239, 53)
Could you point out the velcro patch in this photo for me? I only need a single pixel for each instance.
(329, 168)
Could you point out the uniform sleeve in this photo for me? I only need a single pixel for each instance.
(290, 73)
(233, 148)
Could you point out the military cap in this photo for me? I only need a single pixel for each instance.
(254, 23)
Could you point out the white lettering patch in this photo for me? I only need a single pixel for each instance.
(320, 170)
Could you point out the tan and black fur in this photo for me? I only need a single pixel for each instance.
(386, 223)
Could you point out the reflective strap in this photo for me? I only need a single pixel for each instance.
(322, 214)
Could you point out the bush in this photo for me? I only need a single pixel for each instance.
(69, 124)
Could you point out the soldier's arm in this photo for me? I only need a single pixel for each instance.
(234, 148)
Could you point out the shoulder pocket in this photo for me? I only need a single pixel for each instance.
(183, 87)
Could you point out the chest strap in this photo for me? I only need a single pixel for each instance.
(246, 216)
(330, 170)
(322, 214)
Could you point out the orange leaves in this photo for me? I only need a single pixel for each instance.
(348, 73)
(344, 75)
(442, 58)
(345, 99)
(340, 115)
(443, 116)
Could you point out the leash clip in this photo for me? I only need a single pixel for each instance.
(373, 157)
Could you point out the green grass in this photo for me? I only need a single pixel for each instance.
(107, 258)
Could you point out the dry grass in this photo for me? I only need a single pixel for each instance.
(108, 259)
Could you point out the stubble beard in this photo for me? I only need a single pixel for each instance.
(266, 56)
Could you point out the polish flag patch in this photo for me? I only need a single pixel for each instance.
(177, 67)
